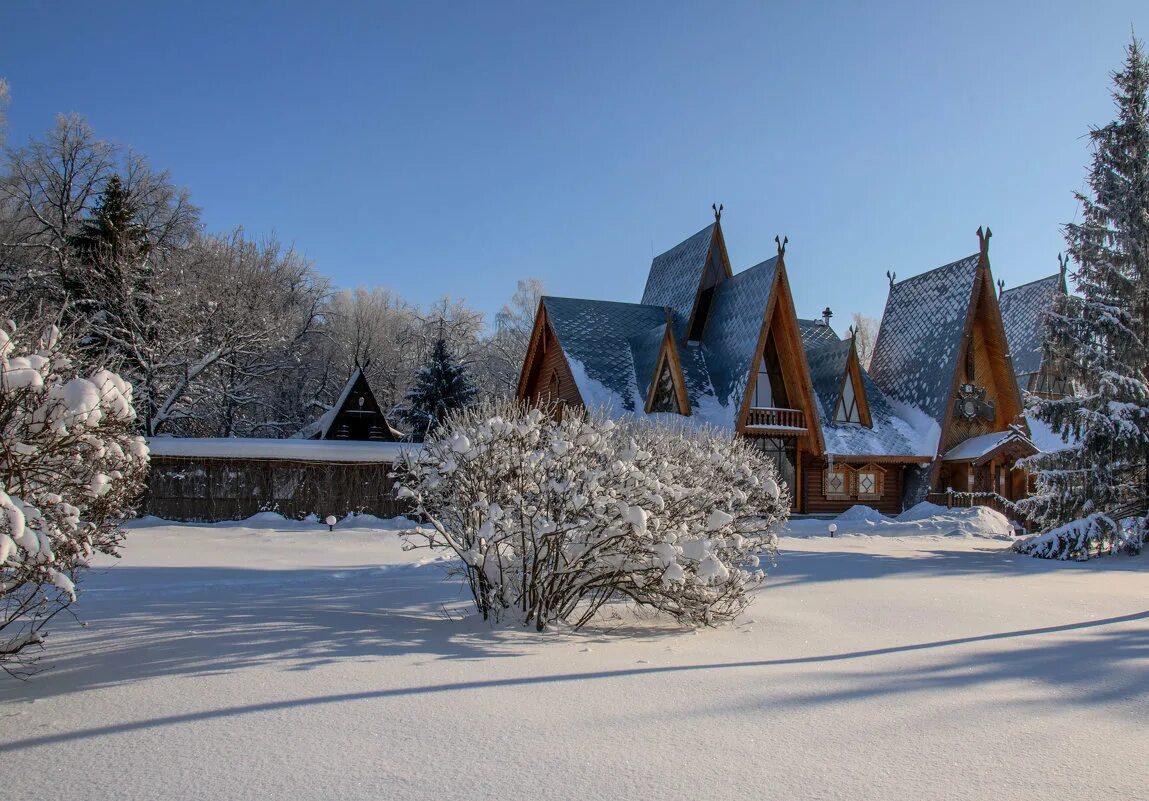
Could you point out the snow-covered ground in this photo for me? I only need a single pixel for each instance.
(269, 660)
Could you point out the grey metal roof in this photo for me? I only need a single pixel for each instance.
(889, 435)
(644, 350)
(595, 336)
(731, 335)
(1023, 311)
(827, 367)
(920, 336)
(675, 275)
(816, 333)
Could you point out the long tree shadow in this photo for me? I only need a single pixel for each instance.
(1071, 666)
(138, 623)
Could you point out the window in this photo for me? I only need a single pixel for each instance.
(836, 482)
(869, 482)
(665, 399)
(769, 391)
(847, 411)
(781, 451)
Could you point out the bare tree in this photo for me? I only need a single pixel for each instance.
(507, 346)
(865, 335)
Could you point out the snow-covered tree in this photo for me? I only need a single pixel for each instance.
(442, 386)
(71, 466)
(1100, 336)
(551, 519)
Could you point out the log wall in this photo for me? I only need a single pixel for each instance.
(816, 502)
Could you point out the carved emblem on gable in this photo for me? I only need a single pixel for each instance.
(971, 403)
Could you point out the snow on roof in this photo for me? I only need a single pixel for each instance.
(891, 433)
(596, 334)
(1023, 311)
(293, 450)
(319, 428)
(976, 447)
(917, 347)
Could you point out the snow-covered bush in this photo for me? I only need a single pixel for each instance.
(553, 518)
(70, 467)
(1095, 535)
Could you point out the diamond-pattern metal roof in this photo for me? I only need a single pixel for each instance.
(731, 335)
(920, 337)
(889, 435)
(596, 334)
(675, 275)
(1023, 310)
(644, 350)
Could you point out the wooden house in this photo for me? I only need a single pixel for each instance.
(706, 345)
(337, 465)
(942, 351)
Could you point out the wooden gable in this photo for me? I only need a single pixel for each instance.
(716, 270)
(853, 391)
(356, 415)
(780, 329)
(669, 367)
(546, 378)
(983, 373)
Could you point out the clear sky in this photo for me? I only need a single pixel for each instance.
(456, 147)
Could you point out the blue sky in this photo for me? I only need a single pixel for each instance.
(452, 148)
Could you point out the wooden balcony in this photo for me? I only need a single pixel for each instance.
(776, 421)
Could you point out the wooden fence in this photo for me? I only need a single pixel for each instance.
(210, 489)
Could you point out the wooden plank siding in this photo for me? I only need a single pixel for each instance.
(209, 489)
(814, 499)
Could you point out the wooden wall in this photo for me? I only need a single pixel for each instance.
(815, 501)
(552, 362)
(205, 489)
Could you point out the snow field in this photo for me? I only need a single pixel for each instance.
(267, 659)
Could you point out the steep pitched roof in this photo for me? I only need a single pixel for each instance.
(675, 275)
(1023, 310)
(321, 428)
(915, 356)
(732, 334)
(596, 337)
(890, 434)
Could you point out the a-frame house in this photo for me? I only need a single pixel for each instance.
(355, 415)
(942, 350)
(713, 347)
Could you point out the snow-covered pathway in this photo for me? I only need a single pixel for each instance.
(273, 662)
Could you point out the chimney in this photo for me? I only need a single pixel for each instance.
(826, 315)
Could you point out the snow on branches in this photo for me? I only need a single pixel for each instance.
(551, 519)
(1095, 535)
(70, 466)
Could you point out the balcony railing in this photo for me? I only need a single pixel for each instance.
(788, 420)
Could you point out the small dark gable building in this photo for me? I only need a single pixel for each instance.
(356, 415)
(337, 465)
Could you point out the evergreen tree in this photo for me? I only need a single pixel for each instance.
(109, 279)
(1099, 338)
(441, 386)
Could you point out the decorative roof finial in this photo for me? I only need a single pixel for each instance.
(717, 211)
(891, 276)
(1000, 287)
(853, 332)
(983, 239)
(826, 315)
(1063, 264)
(781, 243)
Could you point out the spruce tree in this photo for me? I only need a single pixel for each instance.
(441, 386)
(1099, 337)
(109, 281)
